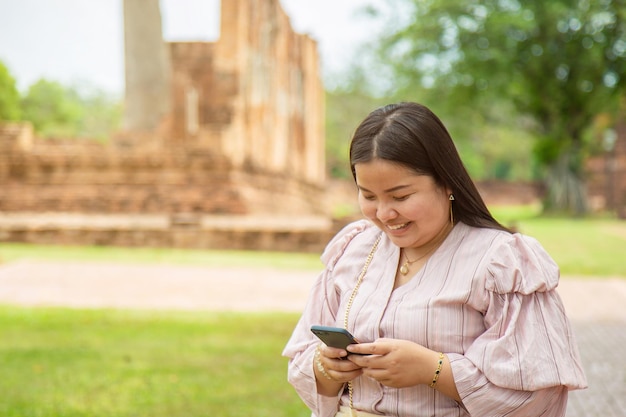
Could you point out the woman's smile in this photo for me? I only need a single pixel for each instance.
(410, 208)
(397, 227)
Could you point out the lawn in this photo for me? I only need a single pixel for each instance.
(112, 363)
(58, 362)
(209, 258)
(581, 247)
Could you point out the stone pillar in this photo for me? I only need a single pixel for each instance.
(147, 67)
(229, 58)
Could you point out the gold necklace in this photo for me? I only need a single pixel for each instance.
(404, 269)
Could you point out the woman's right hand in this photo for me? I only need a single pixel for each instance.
(337, 369)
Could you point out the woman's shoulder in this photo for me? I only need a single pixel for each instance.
(360, 231)
(496, 239)
(514, 262)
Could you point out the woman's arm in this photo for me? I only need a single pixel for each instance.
(400, 363)
(482, 397)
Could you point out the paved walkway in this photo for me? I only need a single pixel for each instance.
(597, 307)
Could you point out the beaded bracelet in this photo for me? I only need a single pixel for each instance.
(318, 363)
(438, 371)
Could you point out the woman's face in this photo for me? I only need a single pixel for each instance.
(410, 208)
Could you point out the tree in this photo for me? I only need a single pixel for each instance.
(559, 62)
(54, 110)
(9, 96)
(79, 111)
(102, 112)
(346, 106)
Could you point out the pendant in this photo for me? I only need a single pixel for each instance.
(404, 269)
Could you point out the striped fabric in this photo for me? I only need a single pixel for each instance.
(486, 298)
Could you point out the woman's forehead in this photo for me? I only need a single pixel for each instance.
(381, 174)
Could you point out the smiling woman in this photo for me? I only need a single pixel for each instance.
(411, 208)
(443, 298)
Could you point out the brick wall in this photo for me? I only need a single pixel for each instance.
(606, 175)
(84, 177)
(72, 192)
(255, 95)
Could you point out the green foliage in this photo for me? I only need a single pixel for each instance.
(54, 110)
(559, 63)
(9, 96)
(60, 111)
(97, 363)
(102, 112)
(70, 112)
(346, 107)
(493, 147)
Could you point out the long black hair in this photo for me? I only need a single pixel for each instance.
(411, 135)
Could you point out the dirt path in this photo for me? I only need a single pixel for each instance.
(97, 285)
(595, 306)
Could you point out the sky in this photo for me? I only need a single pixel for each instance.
(81, 41)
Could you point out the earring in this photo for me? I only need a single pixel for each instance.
(451, 198)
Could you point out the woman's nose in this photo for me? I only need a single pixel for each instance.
(386, 212)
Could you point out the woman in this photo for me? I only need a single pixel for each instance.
(457, 315)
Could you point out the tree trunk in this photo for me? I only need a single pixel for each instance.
(565, 190)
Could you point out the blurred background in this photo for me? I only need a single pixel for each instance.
(533, 94)
(171, 170)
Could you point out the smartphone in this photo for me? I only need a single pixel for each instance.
(334, 336)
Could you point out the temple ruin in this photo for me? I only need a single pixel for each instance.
(606, 173)
(222, 146)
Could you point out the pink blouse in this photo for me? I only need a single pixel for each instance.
(486, 298)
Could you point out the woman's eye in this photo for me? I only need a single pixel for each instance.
(401, 198)
(369, 197)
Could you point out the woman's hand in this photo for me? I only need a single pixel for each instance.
(334, 362)
(395, 363)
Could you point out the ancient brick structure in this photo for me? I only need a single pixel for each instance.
(223, 141)
(262, 106)
(606, 174)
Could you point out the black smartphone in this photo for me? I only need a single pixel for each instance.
(334, 336)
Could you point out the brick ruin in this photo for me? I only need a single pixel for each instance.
(222, 146)
(606, 174)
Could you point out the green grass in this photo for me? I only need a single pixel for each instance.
(581, 247)
(112, 363)
(210, 258)
(57, 362)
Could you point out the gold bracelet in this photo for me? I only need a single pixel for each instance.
(318, 363)
(438, 371)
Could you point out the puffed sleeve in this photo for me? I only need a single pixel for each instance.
(321, 308)
(527, 359)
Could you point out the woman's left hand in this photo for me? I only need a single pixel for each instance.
(394, 362)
